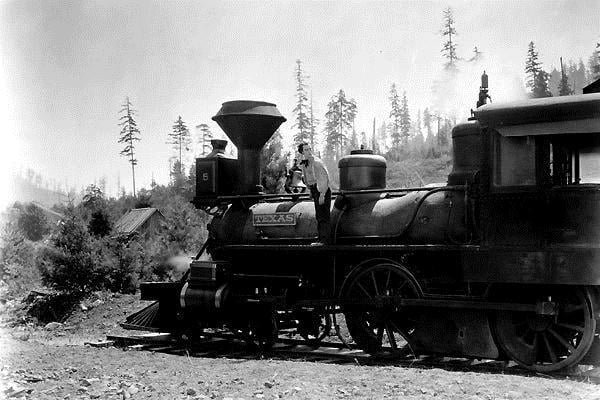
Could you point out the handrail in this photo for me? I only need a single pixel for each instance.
(339, 193)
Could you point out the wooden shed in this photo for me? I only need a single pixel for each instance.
(139, 220)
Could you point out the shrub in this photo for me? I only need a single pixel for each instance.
(18, 269)
(32, 222)
(69, 263)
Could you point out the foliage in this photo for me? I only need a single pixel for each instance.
(301, 109)
(32, 221)
(18, 269)
(99, 224)
(395, 115)
(413, 171)
(273, 162)
(93, 201)
(69, 263)
(205, 138)
(129, 135)
(340, 116)
(564, 89)
(594, 63)
(404, 120)
(180, 140)
(449, 46)
(537, 78)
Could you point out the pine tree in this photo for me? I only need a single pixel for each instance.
(205, 138)
(554, 81)
(477, 55)
(537, 78)
(563, 88)
(314, 122)
(595, 62)
(339, 118)
(129, 135)
(301, 110)
(404, 120)
(395, 115)
(382, 135)
(449, 46)
(354, 141)
(532, 65)
(273, 162)
(180, 139)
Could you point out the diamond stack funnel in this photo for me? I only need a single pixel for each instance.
(249, 124)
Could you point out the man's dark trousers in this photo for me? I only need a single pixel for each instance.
(322, 212)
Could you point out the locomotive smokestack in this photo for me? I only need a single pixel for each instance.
(249, 124)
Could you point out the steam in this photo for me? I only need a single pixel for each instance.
(456, 92)
(179, 264)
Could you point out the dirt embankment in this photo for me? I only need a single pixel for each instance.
(52, 362)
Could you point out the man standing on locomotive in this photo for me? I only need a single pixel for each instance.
(316, 178)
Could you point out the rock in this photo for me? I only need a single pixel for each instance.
(268, 385)
(83, 307)
(23, 336)
(50, 326)
(190, 392)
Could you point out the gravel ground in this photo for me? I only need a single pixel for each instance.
(53, 363)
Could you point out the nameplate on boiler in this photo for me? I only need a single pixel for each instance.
(274, 219)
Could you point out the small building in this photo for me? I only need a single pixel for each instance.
(593, 87)
(139, 220)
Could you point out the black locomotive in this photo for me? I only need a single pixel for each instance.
(502, 262)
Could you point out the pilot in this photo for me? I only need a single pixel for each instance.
(316, 178)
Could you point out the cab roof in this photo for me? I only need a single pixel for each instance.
(536, 111)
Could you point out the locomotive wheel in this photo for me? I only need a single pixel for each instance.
(318, 328)
(546, 343)
(262, 332)
(384, 329)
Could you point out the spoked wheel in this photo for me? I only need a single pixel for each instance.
(546, 343)
(315, 326)
(386, 329)
(260, 332)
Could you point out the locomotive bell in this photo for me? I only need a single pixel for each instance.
(296, 184)
(249, 124)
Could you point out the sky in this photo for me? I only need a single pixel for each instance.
(66, 67)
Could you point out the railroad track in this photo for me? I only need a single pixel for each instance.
(227, 345)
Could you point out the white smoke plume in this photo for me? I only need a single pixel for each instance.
(456, 92)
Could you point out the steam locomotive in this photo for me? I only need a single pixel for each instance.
(501, 262)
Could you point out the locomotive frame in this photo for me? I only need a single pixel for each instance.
(503, 265)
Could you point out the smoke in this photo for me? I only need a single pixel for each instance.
(179, 264)
(456, 91)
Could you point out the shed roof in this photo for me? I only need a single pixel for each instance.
(134, 219)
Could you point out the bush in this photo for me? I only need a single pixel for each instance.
(70, 263)
(18, 268)
(32, 222)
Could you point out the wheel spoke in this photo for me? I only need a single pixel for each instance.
(364, 290)
(534, 347)
(387, 281)
(571, 327)
(374, 283)
(562, 340)
(380, 333)
(549, 348)
(392, 339)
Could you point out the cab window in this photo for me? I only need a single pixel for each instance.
(514, 161)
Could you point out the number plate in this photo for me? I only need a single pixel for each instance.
(274, 219)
